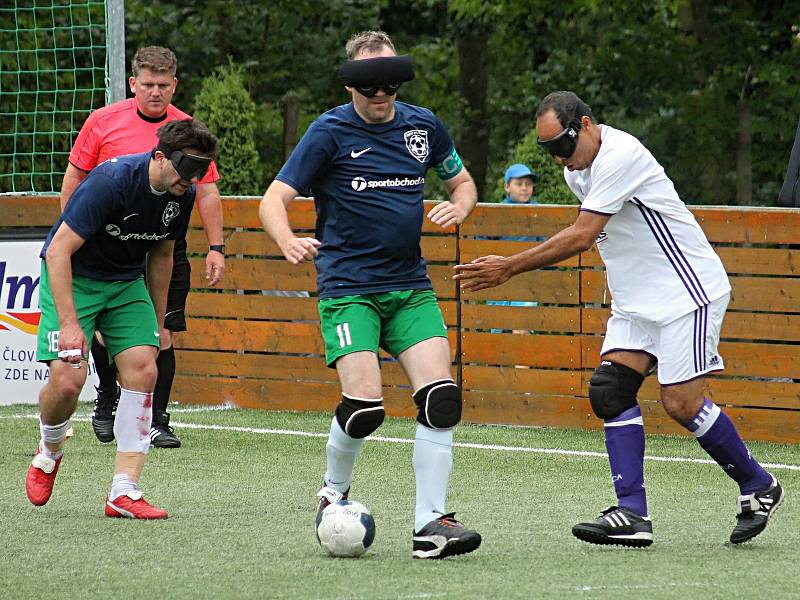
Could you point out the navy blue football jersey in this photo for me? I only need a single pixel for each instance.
(367, 181)
(121, 218)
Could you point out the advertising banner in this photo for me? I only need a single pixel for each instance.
(21, 377)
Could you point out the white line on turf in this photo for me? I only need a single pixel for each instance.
(394, 440)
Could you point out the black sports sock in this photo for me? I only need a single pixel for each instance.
(166, 373)
(106, 372)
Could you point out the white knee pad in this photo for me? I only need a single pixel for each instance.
(133, 421)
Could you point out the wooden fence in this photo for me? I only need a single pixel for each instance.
(526, 364)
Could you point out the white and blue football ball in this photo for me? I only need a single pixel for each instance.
(345, 529)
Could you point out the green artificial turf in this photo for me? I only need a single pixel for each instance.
(242, 504)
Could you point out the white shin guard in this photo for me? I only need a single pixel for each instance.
(133, 421)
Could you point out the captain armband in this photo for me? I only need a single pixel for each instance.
(450, 166)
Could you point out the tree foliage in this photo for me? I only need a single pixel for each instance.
(688, 77)
(226, 107)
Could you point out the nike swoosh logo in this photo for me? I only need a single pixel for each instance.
(129, 216)
(354, 154)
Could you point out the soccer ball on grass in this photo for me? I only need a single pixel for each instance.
(345, 529)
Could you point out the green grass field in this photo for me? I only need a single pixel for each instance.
(241, 500)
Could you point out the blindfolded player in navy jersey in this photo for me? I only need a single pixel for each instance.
(365, 163)
(122, 220)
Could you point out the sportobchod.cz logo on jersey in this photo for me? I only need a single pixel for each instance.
(359, 184)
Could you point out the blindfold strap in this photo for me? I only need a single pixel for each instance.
(564, 143)
(375, 71)
(189, 165)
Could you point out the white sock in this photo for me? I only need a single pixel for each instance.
(53, 434)
(342, 451)
(433, 463)
(121, 485)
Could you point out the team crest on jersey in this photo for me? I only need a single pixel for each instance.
(170, 212)
(417, 143)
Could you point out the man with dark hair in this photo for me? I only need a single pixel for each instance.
(123, 128)
(365, 163)
(669, 295)
(121, 221)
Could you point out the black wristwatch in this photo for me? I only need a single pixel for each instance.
(217, 248)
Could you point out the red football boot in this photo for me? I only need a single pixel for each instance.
(40, 478)
(133, 506)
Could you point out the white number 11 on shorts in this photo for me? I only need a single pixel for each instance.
(343, 331)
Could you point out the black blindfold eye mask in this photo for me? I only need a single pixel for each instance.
(371, 74)
(564, 144)
(189, 166)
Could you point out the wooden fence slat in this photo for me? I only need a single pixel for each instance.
(278, 274)
(258, 243)
(531, 220)
(773, 294)
(767, 294)
(29, 211)
(737, 260)
(471, 249)
(271, 394)
(271, 366)
(274, 308)
(254, 274)
(514, 380)
(252, 306)
(277, 337)
(758, 393)
(749, 225)
(554, 351)
(741, 358)
(531, 318)
(253, 336)
(737, 325)
(760, 261)
(547, 287)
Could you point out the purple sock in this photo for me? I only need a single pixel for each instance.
(717, 435)
(625, 445)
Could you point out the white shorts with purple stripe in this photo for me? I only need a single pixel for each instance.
(685, 349)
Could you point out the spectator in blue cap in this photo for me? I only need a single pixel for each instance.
(519, 185)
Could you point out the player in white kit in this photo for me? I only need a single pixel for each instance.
(669, 295)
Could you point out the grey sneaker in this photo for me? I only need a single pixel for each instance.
(444, 537)
(616, 526)
(753, 511)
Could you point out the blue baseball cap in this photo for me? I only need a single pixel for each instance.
(520, 170)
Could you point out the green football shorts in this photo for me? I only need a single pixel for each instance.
(394, 321)
(121, 310)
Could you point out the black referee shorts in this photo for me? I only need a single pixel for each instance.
(178, 289)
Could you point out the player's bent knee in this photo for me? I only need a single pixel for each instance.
(613, 388)
(358, 417)
(439, 404)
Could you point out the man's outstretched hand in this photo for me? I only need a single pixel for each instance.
(482, 273)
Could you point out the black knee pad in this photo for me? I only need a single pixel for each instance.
(613, 388)
(359, 418)
(439, 404)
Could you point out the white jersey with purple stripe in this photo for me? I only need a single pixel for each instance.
(659, 263)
